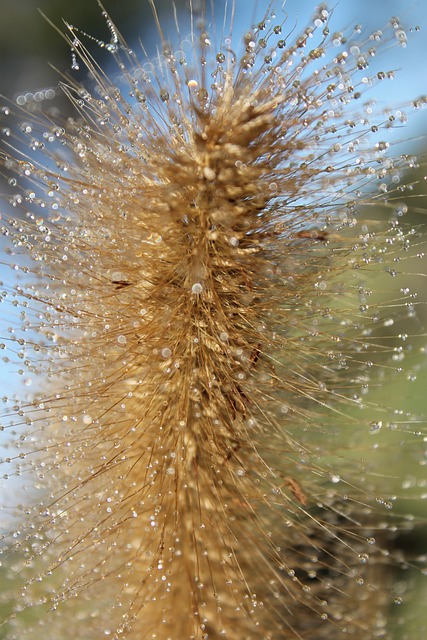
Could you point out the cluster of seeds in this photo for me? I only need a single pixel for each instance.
(195, 313)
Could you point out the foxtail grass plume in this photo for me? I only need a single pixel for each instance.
(204, 310)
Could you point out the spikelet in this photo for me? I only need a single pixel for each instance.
(202, 316)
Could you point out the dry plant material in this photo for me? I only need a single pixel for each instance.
(196, 316)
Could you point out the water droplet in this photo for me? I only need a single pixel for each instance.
(197, 288)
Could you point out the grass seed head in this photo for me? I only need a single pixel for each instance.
(202, 314)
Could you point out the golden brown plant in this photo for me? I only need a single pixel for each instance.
(198, 320)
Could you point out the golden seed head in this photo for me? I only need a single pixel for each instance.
(198, 320)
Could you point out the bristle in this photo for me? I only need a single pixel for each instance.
(200, 321)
